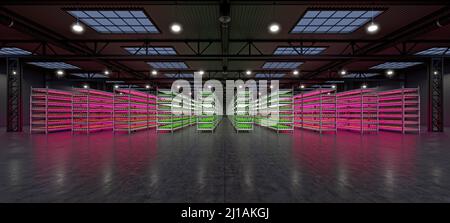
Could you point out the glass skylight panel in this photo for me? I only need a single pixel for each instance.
(89, 75)
(298, 50)
(13, 51)
(168, 65)
(281, 65)
(116, 21)
(275, 75)
(435, 51)
(54, 65)
(333, 21)
(360, 75)
(182, 75)
(395, 65)
(151, 50)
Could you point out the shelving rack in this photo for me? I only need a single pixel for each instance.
(280, 102)
(91, 110)
(133, 110)
(399, 110)
(171, 118)
(207, 118)
(242, 118)
(358, 110)
(316, 110)
(50, 110)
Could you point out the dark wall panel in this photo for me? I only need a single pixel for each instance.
(32, 77)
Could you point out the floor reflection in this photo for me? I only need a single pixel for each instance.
(260, 166)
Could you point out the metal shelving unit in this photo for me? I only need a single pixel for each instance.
(50, 110)
(242, 119)
(399, 110)
(358, 110)
(91, 110)
(133, 110)
(207, 119)
(171, 118)
(316, 110)
(280, 103)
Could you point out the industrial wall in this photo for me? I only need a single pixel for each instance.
(31, 77)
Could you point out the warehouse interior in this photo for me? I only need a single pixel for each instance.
(362, 98)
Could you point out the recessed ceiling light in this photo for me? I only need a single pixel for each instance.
(201, 72)
(274, 28)
(364, 86)
(106, 72)
(14, 72)
(372, 28)
(60, 72)
(295, 72)
(147, 86)
(116, 86)
(343, 72)
(435, 72)
(176, 28)
(248, 72)
(77, 28)
(85, 86)
(333, 86)
(302, 86)
(154, 72)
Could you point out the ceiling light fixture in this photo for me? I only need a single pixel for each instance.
(176, 28)
(85, 86)
(201, 72)
(116, 86)
(77, 28)
(106, 72)
(248, 72)
(59, 72)
(147, 86)
(435, 72)
(14, 72)
(364, 86)
(343, 72)
(295, 72)
(390, 72)
(302, 86)
(154, 72)
(333, 86)
(274, 28)
(372, 28)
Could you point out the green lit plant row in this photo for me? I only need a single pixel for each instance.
(243, 126)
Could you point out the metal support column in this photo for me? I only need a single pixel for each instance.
(436, 95)
(14, 95)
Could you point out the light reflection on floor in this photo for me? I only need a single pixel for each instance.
(188, 166)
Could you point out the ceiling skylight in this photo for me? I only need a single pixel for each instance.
(395, 65)
(360, 75)
(181, 75)
(333, 21)
(281, 65)
(89, 75)
(435, 51)
(264, 75)
(168, 65)
(13, 51)
(151, 50)
(54, 65)
(298, 50)
(116, 21)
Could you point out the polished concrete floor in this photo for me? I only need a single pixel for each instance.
(260, 166)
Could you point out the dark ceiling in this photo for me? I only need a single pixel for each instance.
(43, 27)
